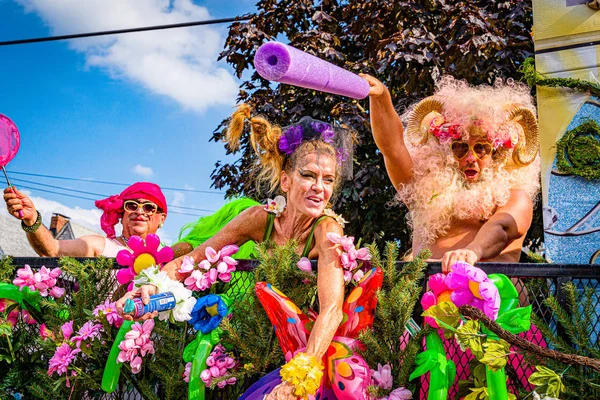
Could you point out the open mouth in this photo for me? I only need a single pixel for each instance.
(314, 200)
(470, 173)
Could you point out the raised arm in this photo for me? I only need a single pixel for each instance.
(509, 223)
(41, 238)
(388, 133)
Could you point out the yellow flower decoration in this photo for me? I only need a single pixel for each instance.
(305, 373)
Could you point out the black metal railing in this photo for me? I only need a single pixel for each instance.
(535, 282)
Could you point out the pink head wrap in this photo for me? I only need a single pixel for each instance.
(113, 205)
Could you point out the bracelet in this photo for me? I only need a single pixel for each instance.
(35, 226)
(304, 372)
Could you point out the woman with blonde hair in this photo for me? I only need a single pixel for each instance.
(305, 162)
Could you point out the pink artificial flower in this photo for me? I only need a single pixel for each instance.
(145, 328)
(24, 278)
(347, 262)
(333, 237)
(304, 265)
(57, 292)
(205, 265)
(147, 348)
(225, 277)
(206, 377)
(12, 318)
(46, 333)
(347, 276)
(89, 330)
(212, 255)
(27, 318)
(358, 275)
(5, 303)
(109, 311)
(187, 265)
(383, 376)
(197, 281)
(136, 365)
(400, 394)
(229, 250)
(218, 363)
(67, 330)
(61, 359)
(363, 254)
(186, 372)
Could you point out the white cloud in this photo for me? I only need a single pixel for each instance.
(178, 198)
(81, 216)
(178, 63)
(146, 172)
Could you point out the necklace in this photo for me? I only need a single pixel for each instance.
(125, 240)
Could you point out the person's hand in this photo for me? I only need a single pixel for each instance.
(376, 87)
(283, 391)
(18, 201)
(453, 256)
(144, 292)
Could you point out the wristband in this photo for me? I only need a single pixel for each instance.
(35, 226)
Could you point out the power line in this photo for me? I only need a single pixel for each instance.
(109, 183)
(89, 198)
(100, 195)
(120, 31)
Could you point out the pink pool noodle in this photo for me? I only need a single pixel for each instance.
(279, 62)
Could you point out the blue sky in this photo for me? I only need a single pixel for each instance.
(123, 108)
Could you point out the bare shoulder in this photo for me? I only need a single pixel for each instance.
(327, 225)
(519, 198)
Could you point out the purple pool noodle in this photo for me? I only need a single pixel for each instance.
(282, 63)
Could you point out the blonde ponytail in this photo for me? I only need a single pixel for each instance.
(264, 139)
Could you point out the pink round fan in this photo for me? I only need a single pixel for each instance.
(10, 140)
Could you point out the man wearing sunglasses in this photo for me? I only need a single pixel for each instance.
(141, 208)
(467, 167)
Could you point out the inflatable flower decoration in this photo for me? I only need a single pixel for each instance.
(464, 285)
(143, 255)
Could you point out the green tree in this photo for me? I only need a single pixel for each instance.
(406, 44)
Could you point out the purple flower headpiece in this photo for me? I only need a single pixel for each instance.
(306, 129)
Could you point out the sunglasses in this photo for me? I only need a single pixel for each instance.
(147, 207)
(480, 149)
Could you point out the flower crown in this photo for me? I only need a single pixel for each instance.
(445, 131)
(309, 129)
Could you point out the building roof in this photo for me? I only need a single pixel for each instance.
(13, 240)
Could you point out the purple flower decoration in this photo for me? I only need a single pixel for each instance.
(325, 130)
(291, 139)
(341, 155)
(471, 286)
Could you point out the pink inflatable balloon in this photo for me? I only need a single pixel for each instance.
(10, 140)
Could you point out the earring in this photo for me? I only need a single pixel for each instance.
(160, 225)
